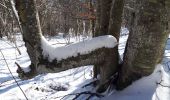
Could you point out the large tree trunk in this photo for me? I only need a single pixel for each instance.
(128, 13)
(32, 37)
(146, 42)
(108, 21)
(102, 23)
(115, 25)
(29, 19)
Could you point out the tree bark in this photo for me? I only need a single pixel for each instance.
(102, 23)
(98, 13)
(115, 25)
(105, 16)
(108, 21)
(146, 42)
(97, 33)
(115, 18)
(29, 19)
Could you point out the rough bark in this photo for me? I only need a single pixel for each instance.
(29, 19)
(128, 13)
(146, 41)
(116, 18)
(102, 23)
(108, 21)
(98, 13)
(115, 25)
(97, 33)
(104, 16)
(92, 21)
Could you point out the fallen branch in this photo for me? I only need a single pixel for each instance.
(160, 83)
(109, 83)
(2, 5)
(163, 85)
(13, 76)
(93, 82)
(77, 95)
(62, 43)
(16, 47)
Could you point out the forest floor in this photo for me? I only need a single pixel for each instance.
(71, 84)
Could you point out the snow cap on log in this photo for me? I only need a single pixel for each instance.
(84, 47)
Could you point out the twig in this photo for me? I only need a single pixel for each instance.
(4, 6)
(160, 83)
(60, 43)
(93, 82)
(13, 76)
(129, 8)
(15, 14)
(157, 97)
(16, 47)
(168, 66)
(7, 82)
(77, 95)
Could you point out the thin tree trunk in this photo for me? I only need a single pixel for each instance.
(98, 13)
(105, 16)
(97, 33)
(15, 14)
(146, 42)
(116, 18)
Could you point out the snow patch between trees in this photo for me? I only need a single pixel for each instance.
(72, 50)
(146, 88)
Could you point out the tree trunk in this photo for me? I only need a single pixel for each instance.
(31, 30)
(102, 23)
(98, 13)
(108, 21)
(128, 13)
(146, 43)
(105, 16)
(116, 18)
(97, 30)
(115, 25)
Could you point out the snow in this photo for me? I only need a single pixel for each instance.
(54, 86)
(72, 50)
(145, 88)
(122, 41)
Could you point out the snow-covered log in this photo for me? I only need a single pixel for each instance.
(95, 51)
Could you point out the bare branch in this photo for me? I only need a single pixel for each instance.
(13, 76)
(16, 15)
(77, 95)
(4, 6)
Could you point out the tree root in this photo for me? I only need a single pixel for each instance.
(77, 95)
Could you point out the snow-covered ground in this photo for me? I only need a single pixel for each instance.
(56, 86)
